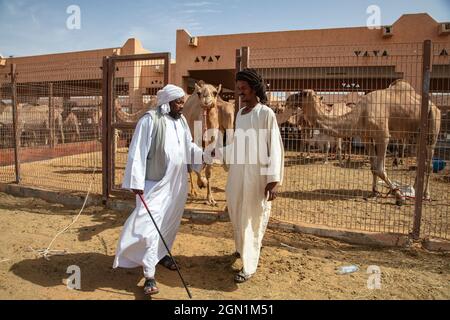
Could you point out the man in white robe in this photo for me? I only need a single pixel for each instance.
(252, 184)
(140, 243)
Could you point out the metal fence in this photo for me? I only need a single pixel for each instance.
(66, 125)
(60, 123)
(54, 140)
(329, 124)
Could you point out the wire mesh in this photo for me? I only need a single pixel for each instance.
(59, 112)
(336, 119)
(436, 214)
(7, 169)
(135, 84)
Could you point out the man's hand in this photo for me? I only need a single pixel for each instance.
(271, 191)
(136, 192)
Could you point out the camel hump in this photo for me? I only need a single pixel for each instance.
(400, 84)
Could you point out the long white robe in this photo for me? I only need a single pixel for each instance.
(140, 243)
(248, 207)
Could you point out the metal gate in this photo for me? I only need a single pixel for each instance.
(7, 152)
(321, 190)
(130, 85)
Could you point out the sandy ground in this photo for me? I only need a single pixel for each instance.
(304, 270)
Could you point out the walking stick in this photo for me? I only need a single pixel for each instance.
(170, 254)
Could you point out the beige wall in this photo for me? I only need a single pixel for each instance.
(85, 65)
(338, 44)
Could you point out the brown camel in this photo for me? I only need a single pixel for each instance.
(378, 116)
(206, 106)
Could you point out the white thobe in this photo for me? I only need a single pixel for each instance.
(248, 207)
(140, 243)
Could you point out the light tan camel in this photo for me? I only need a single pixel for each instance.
(378, 116)
(71, 128)
(286, 114)
(206, 106)
(33, 122)
(307, 129)
(125, 117)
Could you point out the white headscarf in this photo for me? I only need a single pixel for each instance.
(168, 94)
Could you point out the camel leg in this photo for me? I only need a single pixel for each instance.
(339, 150)
(210, 199)
(349, 143)
(302, 142)
(61, 130)
(428, 170)
(373, 165)
(193, 192)
(116, 136)
(381, 149)
(201, 181)
(311, 135)
(396, 161)
(327, 146)
(402, 154)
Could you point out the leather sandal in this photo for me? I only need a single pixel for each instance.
(150, 287)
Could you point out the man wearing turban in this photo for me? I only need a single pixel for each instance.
(160, 150)
(256, 169)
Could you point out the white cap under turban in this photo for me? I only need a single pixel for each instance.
(167, 94)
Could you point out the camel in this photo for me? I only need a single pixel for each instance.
(71, 127)
(33, 122)
(205, 105)
(286, 114)
(325, 143)
(125, 117)
(378, 116)
(307, 132)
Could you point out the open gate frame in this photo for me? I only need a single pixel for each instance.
(112, 67)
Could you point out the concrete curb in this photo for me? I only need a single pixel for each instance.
(70, 200)
(75, 200)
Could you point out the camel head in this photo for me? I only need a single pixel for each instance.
(297, 100)
(207, 94)
(310, 97)
(294, 102)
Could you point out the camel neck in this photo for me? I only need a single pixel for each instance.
(337, 124)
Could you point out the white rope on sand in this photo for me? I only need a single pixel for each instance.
(287, 246)
(4, 260)
(46, 253)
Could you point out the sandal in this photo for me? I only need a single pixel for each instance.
(150, 287)
(241, 277)
(168, 263)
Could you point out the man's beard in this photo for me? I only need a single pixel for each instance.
(175, 115)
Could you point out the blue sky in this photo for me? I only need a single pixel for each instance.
(30, 27)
